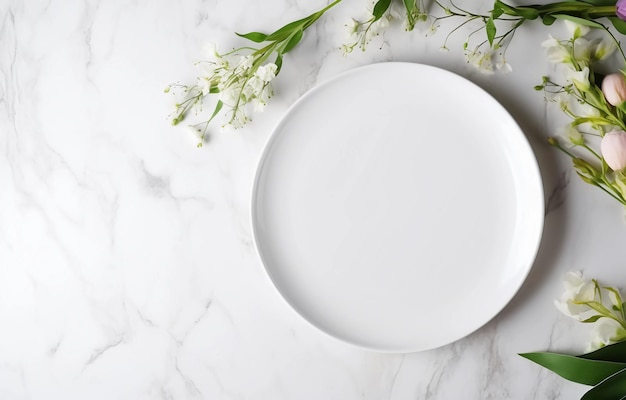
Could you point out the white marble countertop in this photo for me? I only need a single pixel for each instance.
(127, 267)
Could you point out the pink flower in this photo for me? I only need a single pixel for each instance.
(620, 9)
(614, 87)
(613, 147)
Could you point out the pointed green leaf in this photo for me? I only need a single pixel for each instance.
(613, 352)
(576, 369)
(612, 388)
(284, 32)
(592, 319)
(548, 19)
(379, 9)
(278, 62)
(497, 11)
(490, 28)
(409, 5)
(295, 39)
(256, 37)
(579, 21)
(618, 24)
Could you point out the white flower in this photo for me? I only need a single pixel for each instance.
(576, 30)
(245, 63)
(605, 331)
(230, 95)
(573, 135)
(483, 61)
(211, 49)
(577, 290)
(582, 50)
(352, 26)
(266, 72)
(603, 48)
(580, 79)
(556, 51)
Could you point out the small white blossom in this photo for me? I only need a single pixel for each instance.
(603, 48)
(573, 135)
(483, 61)
(556, 51)
(352, 27)
(576, 30)
(605, 331)
(577, 290)
(582, 50)
(245, 63)
(580, 79)
(266, 72)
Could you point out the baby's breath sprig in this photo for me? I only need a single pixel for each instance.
(240, 77)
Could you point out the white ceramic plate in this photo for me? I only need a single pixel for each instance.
(397, 207)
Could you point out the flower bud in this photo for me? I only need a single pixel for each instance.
(613, 147)
(614, 88)
(620, 9)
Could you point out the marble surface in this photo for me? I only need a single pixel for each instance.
(127, 266)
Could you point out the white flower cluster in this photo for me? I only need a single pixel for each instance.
(576, 55)
(488, 61)
(362, 33)
(239, 80)
(586, 301)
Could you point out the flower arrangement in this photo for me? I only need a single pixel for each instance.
(239, 81)
(604, 367)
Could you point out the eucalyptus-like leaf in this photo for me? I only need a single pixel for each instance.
(379, 9)
(612, 388)
(256, 37)
(295, 39)
(576, 369)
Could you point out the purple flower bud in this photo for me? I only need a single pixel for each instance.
(620, 9)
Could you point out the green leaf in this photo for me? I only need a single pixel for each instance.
(409, 5)
(497, 11)
(612, 388)
(599, 2)
(576, 369)
(490, 27)
(379, 9)
(579, 21)
(592, 319)
(256, 37)
(278, 62)
(295, 39)
(217, 109)
(618, 24)
(613, 352)
(284, 32)
(527, 12)
(548, 19)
